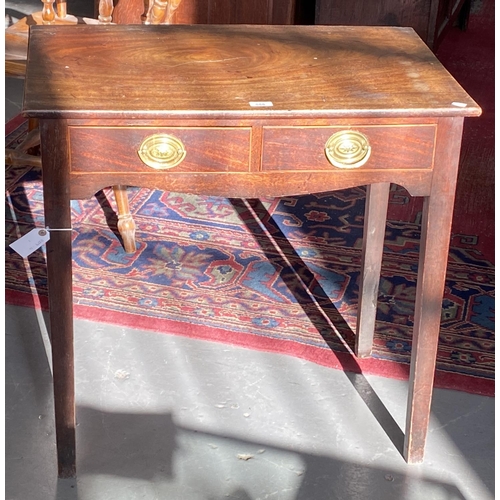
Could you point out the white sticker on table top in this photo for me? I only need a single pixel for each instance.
(261, 104)
(30, 242)
(459, 104)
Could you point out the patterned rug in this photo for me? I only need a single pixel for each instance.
(272, 274)
(470, 57)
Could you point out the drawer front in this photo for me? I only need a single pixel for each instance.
(374, 147)
(148, 149)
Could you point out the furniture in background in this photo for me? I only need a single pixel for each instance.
(217, 12)
(248, 112)
(429, 18)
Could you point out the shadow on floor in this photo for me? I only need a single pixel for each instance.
(144, 447)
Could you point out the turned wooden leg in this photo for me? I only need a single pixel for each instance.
(32, 124)
(61, 9)
(171, 8)
(48, 13)
(434, 246)
(377, 198)
(22, 154)
(105, 11)
(157, 12)
(59, 272)
(126, 224)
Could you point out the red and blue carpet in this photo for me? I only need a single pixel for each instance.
(272, 274)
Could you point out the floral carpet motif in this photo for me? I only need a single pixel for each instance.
(271, 274)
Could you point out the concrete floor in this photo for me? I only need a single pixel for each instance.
(165, 417)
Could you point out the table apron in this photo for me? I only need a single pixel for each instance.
(251, 185)
(242, 158)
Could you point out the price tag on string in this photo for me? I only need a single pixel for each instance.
(30, 242)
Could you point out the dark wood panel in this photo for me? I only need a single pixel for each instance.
(391, 147)
(230, 12)
(235, 12)
(191, 12)
(116, 149)
(284, 12)
(125, 11)
(414, 13)
(429, 18)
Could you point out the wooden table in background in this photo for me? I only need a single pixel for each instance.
(249, 111)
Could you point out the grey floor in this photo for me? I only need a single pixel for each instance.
(166, 417)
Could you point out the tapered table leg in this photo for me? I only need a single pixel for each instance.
(377, 197)
(435, 239)
(59, 272)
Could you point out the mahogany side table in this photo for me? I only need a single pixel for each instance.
(248, 112)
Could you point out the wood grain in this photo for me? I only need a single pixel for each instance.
(56, 179)
(435, 242)
(303, 70)
(115, 149)
(391, 147)
(249, 185)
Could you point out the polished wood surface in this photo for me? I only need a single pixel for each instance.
(249, 111)
(283, 145)
(337, 72)
(115, 148)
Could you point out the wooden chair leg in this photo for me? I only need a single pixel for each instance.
(377, 198)
(126, 224)
(32, 124)
(61, 9)
(24, 154)
(48, 12)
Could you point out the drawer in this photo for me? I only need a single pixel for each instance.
(173, 149)
(386, 147)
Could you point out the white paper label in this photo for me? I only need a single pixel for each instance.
(459, 104)
(30, 242)
(261, 104)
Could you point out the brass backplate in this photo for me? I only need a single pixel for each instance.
(162, 151)
(348, 149)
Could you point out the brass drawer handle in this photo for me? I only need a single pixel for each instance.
(162, 151)
(348, 149)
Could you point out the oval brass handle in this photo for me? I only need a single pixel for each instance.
(162, 151)
(348, 149)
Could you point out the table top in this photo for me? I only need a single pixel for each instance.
(236, 70)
